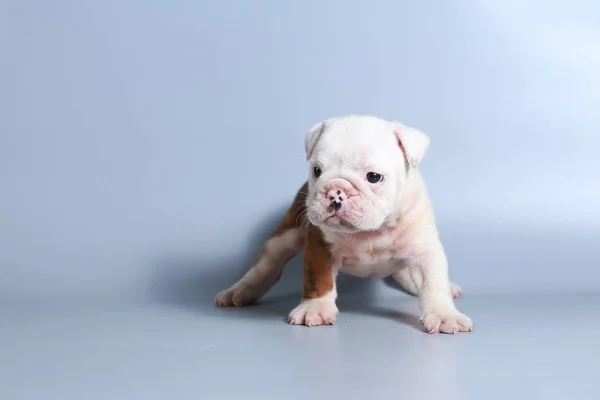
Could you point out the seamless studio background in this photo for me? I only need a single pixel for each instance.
(124, 126)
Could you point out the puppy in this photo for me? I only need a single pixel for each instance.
(364, 211)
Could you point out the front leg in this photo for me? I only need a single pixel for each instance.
(319, 293)
(439, 314)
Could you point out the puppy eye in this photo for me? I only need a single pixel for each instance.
(317, 172)
(374, 177)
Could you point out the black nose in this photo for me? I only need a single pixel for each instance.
(335, 205)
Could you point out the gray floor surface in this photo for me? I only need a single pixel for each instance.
(524, 346)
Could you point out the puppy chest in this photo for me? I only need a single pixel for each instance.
(363, 270)
(366, 252)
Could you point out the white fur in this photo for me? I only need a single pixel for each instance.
(414, 142)
(386, 227)
(315, 312)
(312, 137)
(346, 150)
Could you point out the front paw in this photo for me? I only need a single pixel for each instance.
(446, 321)
(314, 312)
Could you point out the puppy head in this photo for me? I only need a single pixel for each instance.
(358, 168)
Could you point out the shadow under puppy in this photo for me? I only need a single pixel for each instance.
(364, 211)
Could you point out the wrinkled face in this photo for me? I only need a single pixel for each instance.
(357, 171)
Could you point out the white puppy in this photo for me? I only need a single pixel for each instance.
(364, 211)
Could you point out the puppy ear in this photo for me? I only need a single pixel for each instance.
(312, 137)
(414, 143)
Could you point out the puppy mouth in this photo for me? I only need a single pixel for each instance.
(336, 221)
(333, 216)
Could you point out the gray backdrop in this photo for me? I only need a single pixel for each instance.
(124, 126)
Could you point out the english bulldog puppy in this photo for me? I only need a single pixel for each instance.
(364, 211)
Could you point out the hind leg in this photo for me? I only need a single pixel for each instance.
(284, 243)
(411, 282)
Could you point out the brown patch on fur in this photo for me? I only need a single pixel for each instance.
(293, 218)
(318, 279)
